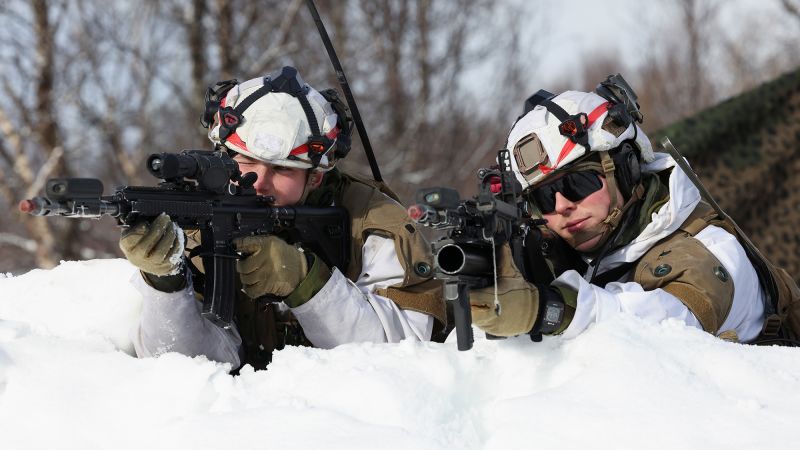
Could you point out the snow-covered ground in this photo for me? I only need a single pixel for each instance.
(68, 380)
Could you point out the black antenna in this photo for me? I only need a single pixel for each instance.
(362, 132)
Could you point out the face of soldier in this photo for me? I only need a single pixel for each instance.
(580, 223)
(285, 184)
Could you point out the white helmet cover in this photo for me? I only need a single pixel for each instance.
(275, 128)
(538, 148)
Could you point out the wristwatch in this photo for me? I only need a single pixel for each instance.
(551, 311)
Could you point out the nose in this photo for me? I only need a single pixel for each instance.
(263, 184)
(563, 205)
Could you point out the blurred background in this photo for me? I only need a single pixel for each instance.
(92, 87)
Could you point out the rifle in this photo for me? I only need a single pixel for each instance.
(465, 258)
(205, 191)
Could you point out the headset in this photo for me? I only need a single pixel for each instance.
(627, 167)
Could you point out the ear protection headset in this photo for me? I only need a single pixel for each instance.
(343, 121)
(627, 168)
(624, 111)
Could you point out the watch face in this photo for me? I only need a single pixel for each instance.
(552, 314)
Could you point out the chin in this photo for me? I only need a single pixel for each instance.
(588, 245)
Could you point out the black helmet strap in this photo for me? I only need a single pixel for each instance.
(574, 126)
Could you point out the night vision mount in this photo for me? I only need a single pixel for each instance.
(625, 108)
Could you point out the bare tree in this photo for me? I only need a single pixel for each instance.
(792, 7)
(597, 66)
(32, 150)
(105, 87)
(411, 62)
(676, 79)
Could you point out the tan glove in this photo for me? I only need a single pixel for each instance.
(154, 247)
(271, 266)
(519, 301)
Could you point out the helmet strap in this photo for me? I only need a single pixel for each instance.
(607, 164)
(615, 212)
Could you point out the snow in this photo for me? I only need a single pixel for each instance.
(68, 380)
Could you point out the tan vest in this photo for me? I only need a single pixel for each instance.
(373, 212)
(682, 266)
(264, 329)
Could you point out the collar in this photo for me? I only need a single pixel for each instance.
(327, 194)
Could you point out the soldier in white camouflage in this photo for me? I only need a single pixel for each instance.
(641, 240)
(291, 136)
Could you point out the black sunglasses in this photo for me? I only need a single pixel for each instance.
(574, 186)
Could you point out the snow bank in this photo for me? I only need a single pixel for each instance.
(68, 380)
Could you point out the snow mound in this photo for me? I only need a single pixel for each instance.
(68, 380)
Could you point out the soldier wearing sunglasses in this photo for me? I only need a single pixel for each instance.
(635, 235)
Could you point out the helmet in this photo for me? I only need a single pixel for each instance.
(278, 119)
(576, 131)
(564, 128)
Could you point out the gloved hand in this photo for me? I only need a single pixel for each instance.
(271, 266)
(154, 247)
(519, 301)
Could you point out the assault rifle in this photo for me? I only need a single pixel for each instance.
(465, 258)
(205, 191)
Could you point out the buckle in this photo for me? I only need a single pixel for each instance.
(213, 99)
(229, 119)
(317, 147)
(613, 216)
(607, 164)
(772, 325)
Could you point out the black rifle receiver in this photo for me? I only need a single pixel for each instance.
(465, 258)
(204, 191)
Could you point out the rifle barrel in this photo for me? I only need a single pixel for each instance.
(465, 258)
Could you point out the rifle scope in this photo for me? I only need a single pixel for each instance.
(212, 170)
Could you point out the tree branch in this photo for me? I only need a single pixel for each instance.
(29, 245)
(45, 171)
(21, 164)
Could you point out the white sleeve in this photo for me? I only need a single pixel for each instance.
(171, 322)
(596, 304)
(344, 312)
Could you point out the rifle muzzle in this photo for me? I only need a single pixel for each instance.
(37, 206)
(465, 259)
